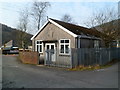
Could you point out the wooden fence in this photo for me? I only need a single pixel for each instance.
(91, 56)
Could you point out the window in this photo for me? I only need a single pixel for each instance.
(96, 44)
(118, 43)
(64, 46)
(39, 46)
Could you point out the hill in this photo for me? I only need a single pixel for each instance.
(9, 33)
(111, 30)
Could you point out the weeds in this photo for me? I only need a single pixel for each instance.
(89, 68)
(94, 67)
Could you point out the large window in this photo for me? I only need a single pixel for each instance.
(64, 46)
(39, 46)
(96, 43)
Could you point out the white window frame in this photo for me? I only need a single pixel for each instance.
(64, 47)
(50, 45)
(96, 42)
(39, 44)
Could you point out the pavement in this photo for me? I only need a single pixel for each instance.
(18, 75)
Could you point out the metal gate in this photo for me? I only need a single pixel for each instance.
(50, 57)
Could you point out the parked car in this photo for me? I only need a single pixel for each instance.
(10, 50)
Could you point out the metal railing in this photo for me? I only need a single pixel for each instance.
(55, 58)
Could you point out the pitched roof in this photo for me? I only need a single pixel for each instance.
(78, 30)
(9, 44)
(72, 29)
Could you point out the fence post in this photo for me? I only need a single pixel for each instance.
(109, 51)
(55, 55)
(49, 57)
(71, 58)
(100, 50)
(45, 58)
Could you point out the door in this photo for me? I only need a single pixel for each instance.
(50, 47)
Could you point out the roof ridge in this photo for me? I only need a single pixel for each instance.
(68, 23)
(79, 29)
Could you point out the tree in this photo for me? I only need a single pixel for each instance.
(68, 18)
(23, 27)
(39, 11)
(104, 21)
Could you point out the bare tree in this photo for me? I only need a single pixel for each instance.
(68, 18)
(104, 21)
(39, 11)
(23, 27)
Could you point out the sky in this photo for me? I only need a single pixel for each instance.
(80, 10)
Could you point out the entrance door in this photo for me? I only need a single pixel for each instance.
(50, 47)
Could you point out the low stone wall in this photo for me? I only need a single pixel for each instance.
(29, 57)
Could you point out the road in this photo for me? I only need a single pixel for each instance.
(19, 75)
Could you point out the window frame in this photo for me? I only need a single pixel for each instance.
(39, 46)
(64, 47)
(96, 42)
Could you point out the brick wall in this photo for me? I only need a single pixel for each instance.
(29, 57)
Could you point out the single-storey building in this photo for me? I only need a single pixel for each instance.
(9, 44)
(115, 44)
(10, 48)
(61, 37)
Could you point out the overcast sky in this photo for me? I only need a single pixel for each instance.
(81, 10)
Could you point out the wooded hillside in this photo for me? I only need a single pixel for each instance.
(9, 33)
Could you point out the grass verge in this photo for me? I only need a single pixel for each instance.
(93, 67)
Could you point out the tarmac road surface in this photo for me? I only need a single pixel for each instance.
(18, 75)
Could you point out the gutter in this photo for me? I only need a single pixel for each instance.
(84, 36)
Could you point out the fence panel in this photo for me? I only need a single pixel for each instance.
(104, 56)
(91, 56)
(82, 56)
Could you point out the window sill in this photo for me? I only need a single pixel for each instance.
(40, 52)
(64, 54)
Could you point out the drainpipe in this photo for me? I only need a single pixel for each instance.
(79, 41)
(76, 42)
(34, 44)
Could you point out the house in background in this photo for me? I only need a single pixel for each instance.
(115, 43)
(10, 48)
(9, 44)
(61, 36)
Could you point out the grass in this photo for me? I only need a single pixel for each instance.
(89, 68)
(83, 68)
(93, 67)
